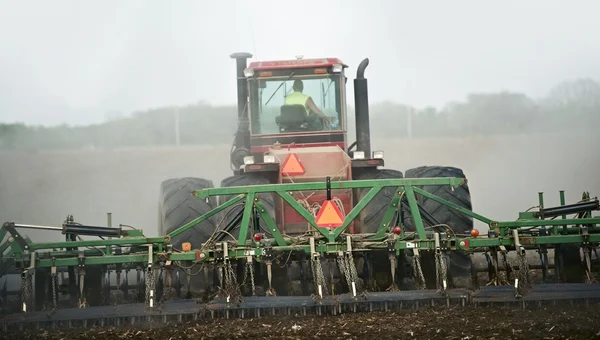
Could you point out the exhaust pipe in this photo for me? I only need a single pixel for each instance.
(361, 103)
(242, 85)
(242, 137)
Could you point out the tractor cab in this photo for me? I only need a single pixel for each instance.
(299, 101)
(289, 104)
(278, 94)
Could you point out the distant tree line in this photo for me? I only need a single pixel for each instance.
(570, 106)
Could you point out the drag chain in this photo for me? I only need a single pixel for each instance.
(418, 271)
(231, 290)
(54, 282)
(348, 269)
(523, 281)
(441, 274)
(250, 272)
(150, 287)
(27, 293)
(318, 277)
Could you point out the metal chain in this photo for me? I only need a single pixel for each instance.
(341, 261)
(354, 273)
(524, 280)
(440, 273)
(418, 273)
(318, 278)
(231, 288)
(150, 288)
(54, 293)
(348, 269)
(27, 292)
(250, 272)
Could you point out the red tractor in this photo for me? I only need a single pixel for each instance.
(283, 138)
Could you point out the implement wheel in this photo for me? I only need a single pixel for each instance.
(459, 274)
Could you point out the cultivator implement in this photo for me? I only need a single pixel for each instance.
(251, 267)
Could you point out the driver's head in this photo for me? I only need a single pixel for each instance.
(298, 85)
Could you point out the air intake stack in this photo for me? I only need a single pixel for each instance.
(361, 103)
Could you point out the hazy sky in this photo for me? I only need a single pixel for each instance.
(74, 61)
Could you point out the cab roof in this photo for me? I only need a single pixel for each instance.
(294, 63)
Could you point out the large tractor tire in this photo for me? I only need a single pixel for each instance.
(459, 268)
(375, 269)
(279, 275)
(267, 200)
(371, 216)
(177, 207)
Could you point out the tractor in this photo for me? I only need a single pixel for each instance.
(305, 216)
(280, 142)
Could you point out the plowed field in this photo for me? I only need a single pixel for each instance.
(461, 323)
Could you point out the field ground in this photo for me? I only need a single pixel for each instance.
(439, 323)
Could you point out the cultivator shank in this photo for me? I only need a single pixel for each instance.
(123, 276)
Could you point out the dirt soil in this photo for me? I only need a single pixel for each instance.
(433, 323)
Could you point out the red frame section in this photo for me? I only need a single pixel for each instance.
(293, 63)
(266, 148)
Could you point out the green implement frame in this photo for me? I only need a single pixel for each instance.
(130, 247)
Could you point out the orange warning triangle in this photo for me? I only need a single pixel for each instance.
(292, 166)
(329, 216)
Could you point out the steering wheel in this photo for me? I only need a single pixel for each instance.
(327, 124)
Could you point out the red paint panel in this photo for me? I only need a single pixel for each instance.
(265, 148)
(293, 63)
(298, 134)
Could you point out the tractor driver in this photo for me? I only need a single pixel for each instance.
(299, 98)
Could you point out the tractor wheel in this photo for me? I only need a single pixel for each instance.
(459, 273)
(279, 275)
(177, 207)
(228, 215)
(375, 269)
(371, 216)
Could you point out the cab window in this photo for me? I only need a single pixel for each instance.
(268, 95)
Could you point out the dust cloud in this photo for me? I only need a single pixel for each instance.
(505, 174)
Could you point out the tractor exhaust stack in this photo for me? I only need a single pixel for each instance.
(361, 103)
(242, 136)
